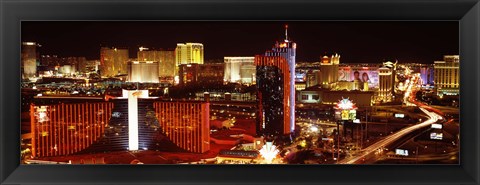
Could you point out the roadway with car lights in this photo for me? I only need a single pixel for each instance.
(410, 101)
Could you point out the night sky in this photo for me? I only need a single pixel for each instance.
(356, 42)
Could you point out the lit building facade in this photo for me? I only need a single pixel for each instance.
(239, 70)
(29, 59)
(113, 61)
(273, 84)
(98, 127)
(188, 53)
(361, 76)
(79, 63)
(143, 71)
(385, 84)
(276, 88)
(67, 70)
(318, 95)
(427, 74)
(92, 65)
(312, 78)
(165, 59)
(201, 73)
(187, 124)
(64, 129)
(329, 70)
(447, 75)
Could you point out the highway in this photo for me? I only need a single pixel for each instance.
(370, 150)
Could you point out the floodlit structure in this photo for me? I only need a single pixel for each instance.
(239, 70)
(143, 72)
(185, 123)
(113, 61)
(29, 59)
(131, 122)
(133, 95)
(385, 84)
(65, 129)
(329, 70)
(165, 59)
(276, 88)
(201, 73)
(447, 75)
(188, 53)
(273, 85)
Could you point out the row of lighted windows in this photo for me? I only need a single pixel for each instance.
(314, 97)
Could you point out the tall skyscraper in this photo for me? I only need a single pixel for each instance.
(276, 88)
(329, 70)
(239, 69)
(385, 84)
(188, 53)
(393, 77)
(165, 59)
(447, 75)
(426, 74)
(113, 61)
(29, 59)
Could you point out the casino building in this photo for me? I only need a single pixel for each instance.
(329, 70)
(239, 70)
(143, 71)
(447, 75)
(131, 122)
(275, 78)
(113, 61)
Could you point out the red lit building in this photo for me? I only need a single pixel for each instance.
(65, 129)
(273, 85)
(201, 73)
(185, 123)
(80, 128)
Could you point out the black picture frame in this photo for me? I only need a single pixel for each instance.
(467, 12)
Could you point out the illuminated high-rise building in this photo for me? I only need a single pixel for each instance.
(165, 59)
(239, 69)
(131, 122)
(427, 74)
(143, 71)
(113, 61)
(188, 53)
(447, 75)
(385, 84)
(329, 70)
(201, 73)
(29, 59)
(276, 89)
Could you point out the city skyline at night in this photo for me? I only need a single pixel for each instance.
(359, 42)
(195, 92)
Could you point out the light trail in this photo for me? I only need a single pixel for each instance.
(393, 137)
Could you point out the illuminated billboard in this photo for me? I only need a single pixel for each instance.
(436, 136)
(437, 126)
(349, 114)
(401, 152)
(300, 77)
(345, 110)
(362, 74)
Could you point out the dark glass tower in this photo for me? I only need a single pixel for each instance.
(276, 89)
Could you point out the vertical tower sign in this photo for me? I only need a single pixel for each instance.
(132, 120)
(132, 96)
